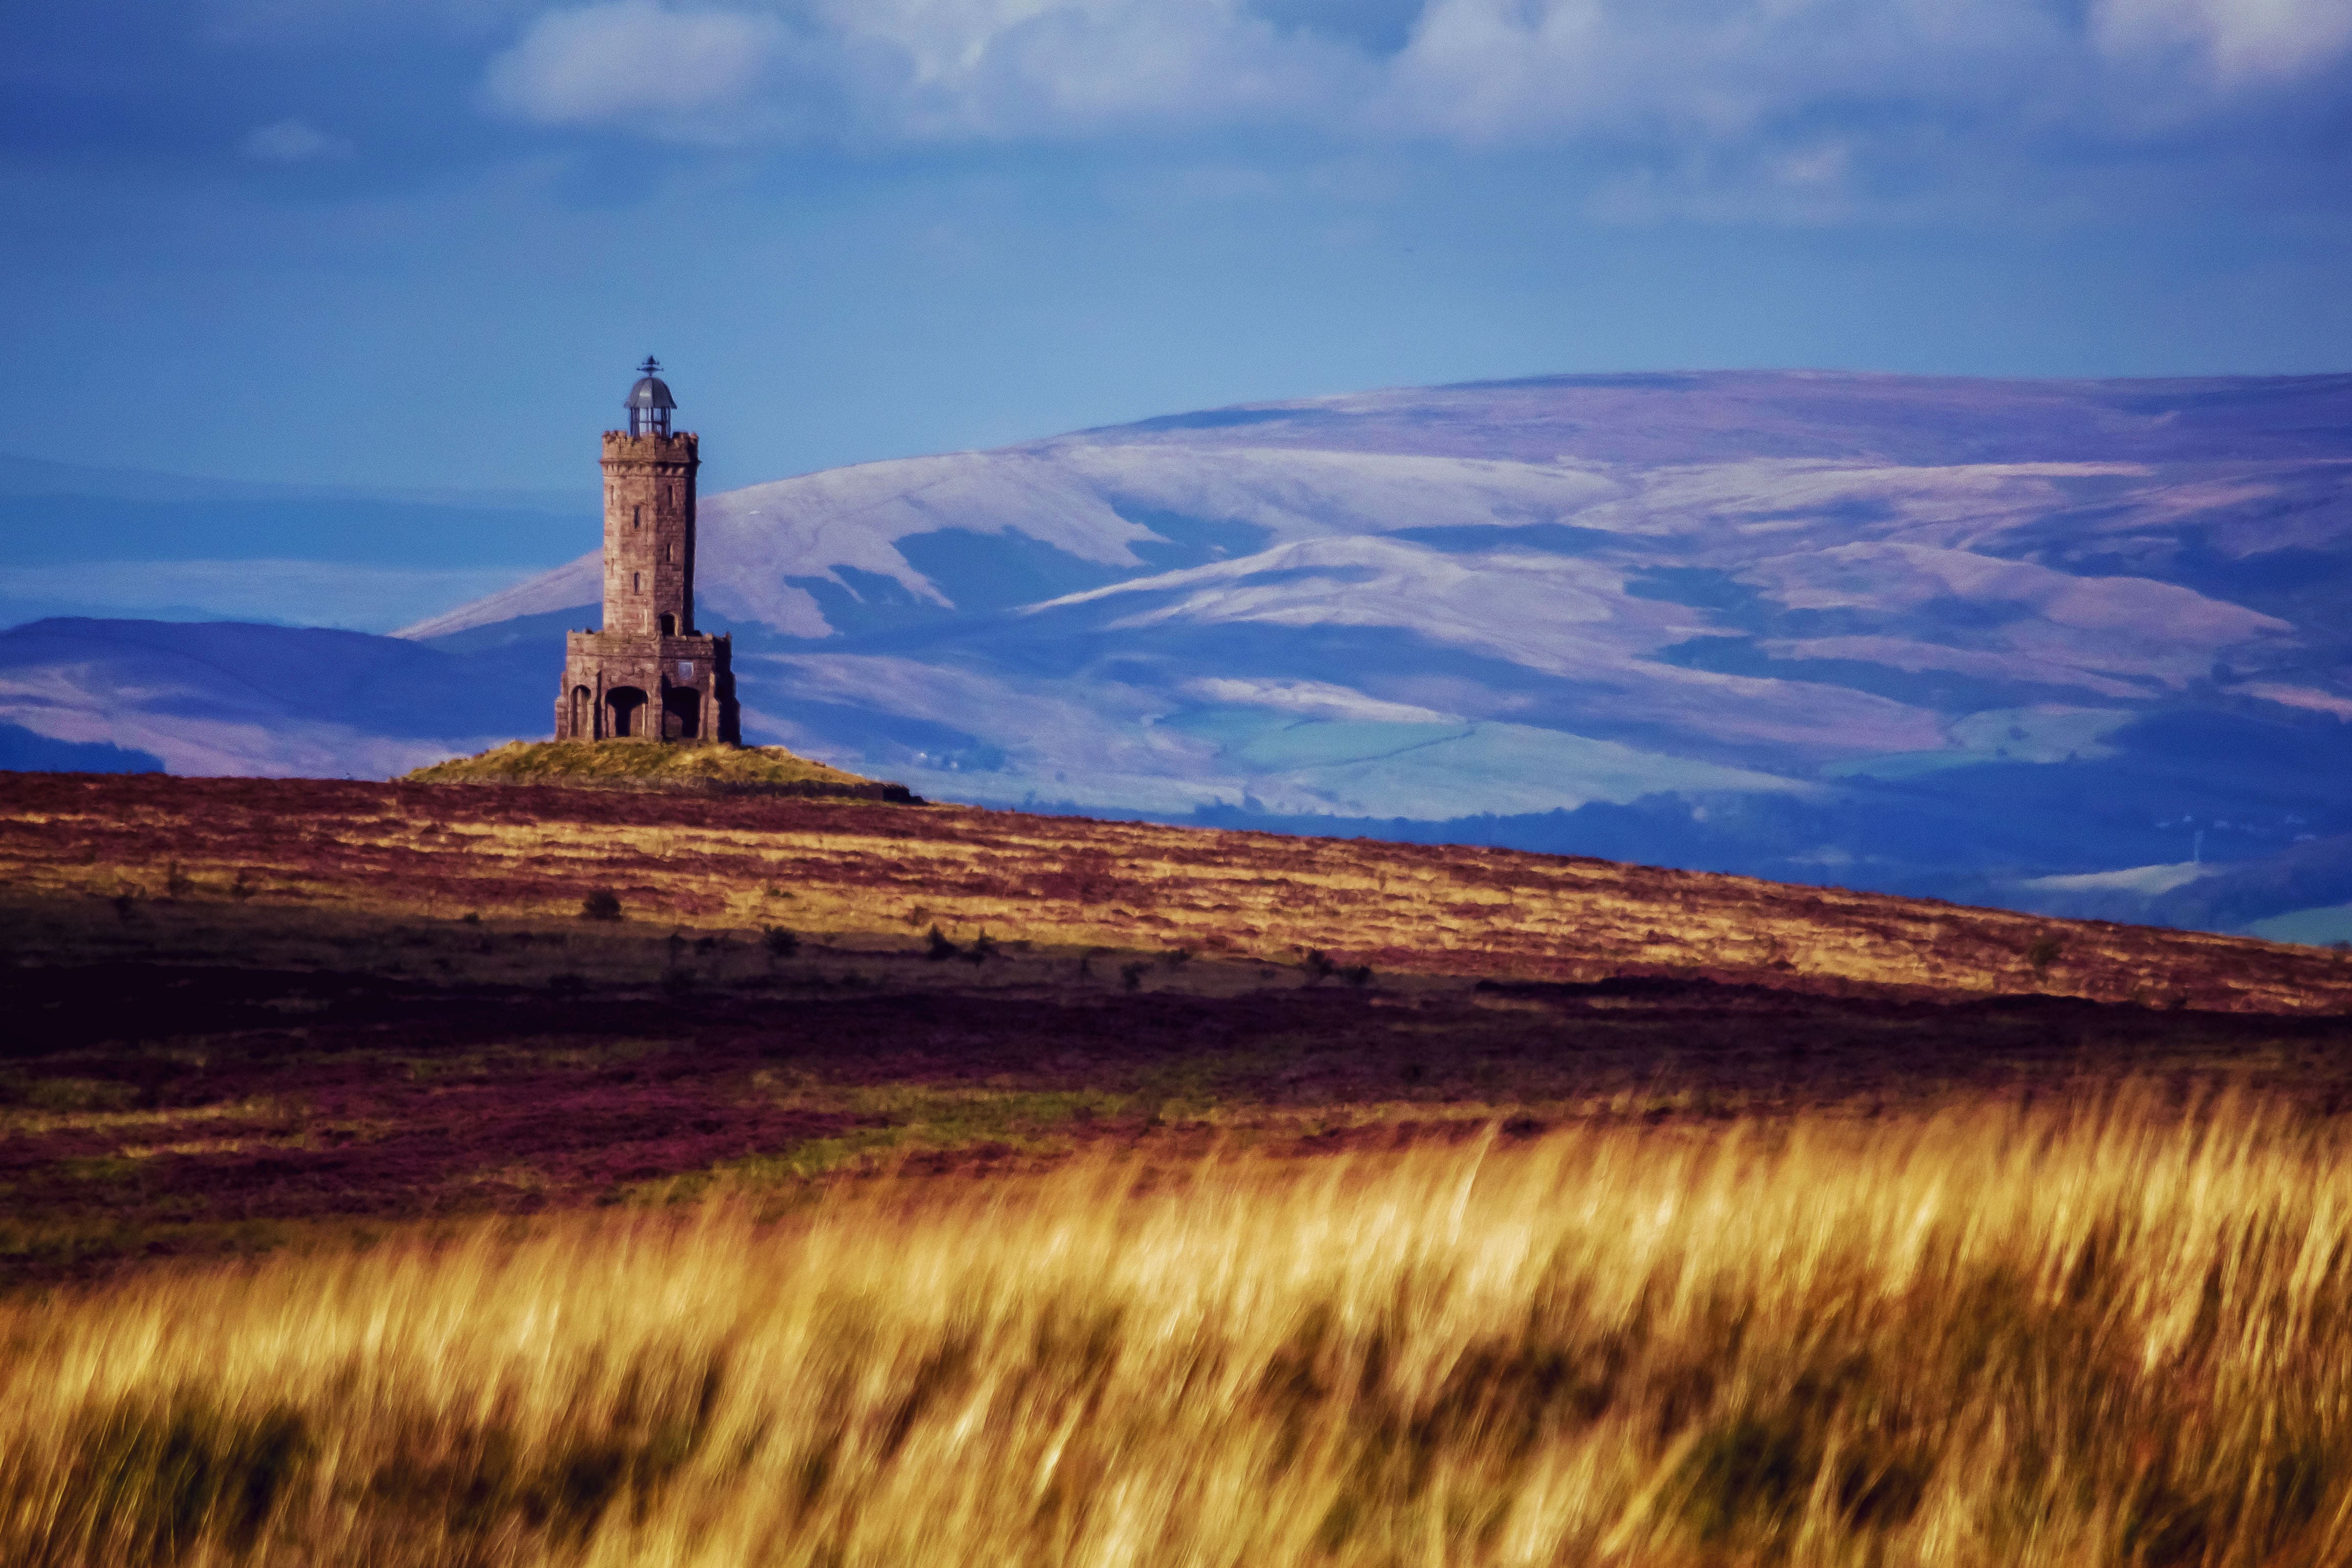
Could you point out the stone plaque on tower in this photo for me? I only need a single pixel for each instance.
(647, 674)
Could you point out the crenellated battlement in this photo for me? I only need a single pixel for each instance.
(682, 447)
(648, 645)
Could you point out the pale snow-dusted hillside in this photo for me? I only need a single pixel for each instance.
(1986, 638)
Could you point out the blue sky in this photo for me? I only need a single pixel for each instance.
(418, 243)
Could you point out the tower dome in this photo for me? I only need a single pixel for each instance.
(650, 403)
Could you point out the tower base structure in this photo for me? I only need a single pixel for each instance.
(622, 684)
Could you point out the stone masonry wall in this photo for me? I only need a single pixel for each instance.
(649, 531)
(634, 677)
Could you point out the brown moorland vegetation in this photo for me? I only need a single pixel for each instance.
(245, 1012)
(859, 866)
(1233, 1198)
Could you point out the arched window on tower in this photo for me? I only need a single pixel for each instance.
(669, 625)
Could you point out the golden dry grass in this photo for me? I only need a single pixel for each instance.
(2054, 1336)
(856, 869)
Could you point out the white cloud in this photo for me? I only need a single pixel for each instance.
(1797, 88)
(996, 68)
(691, 74)
(1509, 70)
(294, 142)
(2244, 42)
(922, 69)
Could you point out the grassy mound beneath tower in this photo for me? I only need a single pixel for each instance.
(686, 767)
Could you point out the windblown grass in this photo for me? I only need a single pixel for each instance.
(2086, 1336)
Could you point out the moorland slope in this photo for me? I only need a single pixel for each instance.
(241, 1005)
(243, 1008)
(621, 1158)
(854, 866)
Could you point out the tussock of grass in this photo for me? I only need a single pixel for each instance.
(2046, 1338)
(701, 766)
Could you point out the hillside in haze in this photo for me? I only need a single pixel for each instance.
(103, 543)
(2076, 646)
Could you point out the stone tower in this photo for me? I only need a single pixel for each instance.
(648, 674)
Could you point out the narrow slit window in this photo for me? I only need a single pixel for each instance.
(637, 582)
(636, 517)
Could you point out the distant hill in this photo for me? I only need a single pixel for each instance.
(271, 702)
(107, 544)
(29, 752)
(2072, 646)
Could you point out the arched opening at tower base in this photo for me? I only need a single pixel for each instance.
(625, 707)
(583, 714)
(682, 714)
